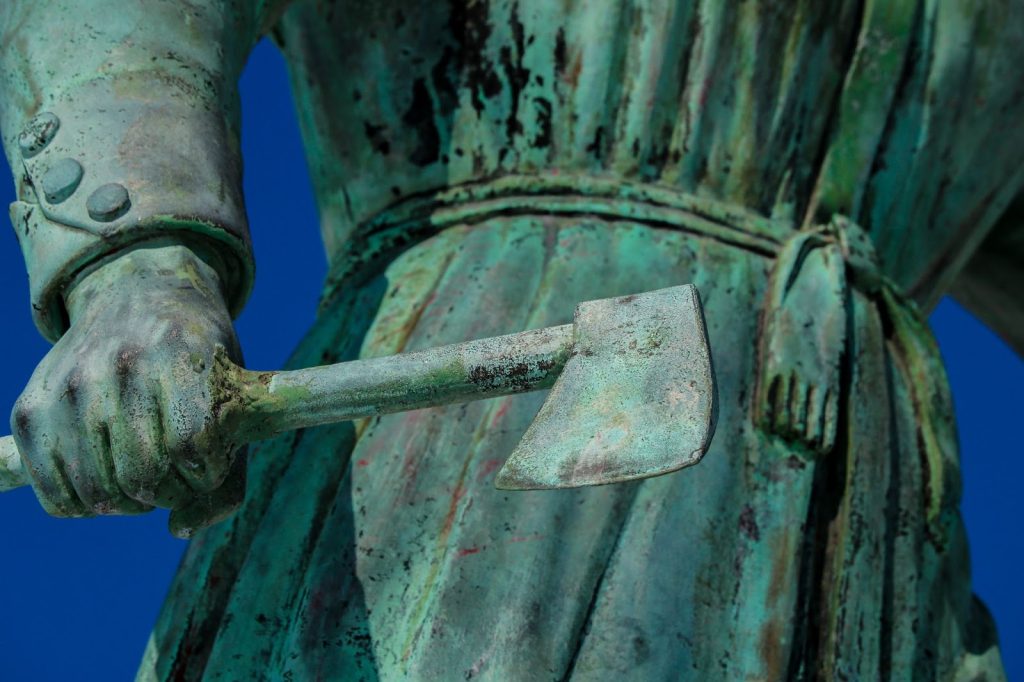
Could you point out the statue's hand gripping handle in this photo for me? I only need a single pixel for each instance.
(645, 357)
(248, 406)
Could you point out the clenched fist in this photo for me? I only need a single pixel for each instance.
(117, 417)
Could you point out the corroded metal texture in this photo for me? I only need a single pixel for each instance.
(636, 401)
(275, 402)
(822, 172)
(636, 398)
(11, 473)
(153, 129)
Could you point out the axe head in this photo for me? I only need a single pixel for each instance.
(636, 398)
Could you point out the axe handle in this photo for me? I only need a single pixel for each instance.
(257, 405)
(12, 475)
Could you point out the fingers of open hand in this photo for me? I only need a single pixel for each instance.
(801, 411)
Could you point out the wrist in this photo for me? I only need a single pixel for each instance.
(164, 264)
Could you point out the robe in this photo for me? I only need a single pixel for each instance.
(822, 172)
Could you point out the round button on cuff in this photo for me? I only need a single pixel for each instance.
(61, 181)
(108, 203)
(38, 133)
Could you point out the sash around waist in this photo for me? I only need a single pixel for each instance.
(815, 271)
(376, 242)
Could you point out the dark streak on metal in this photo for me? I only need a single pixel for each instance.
(519, 376)
(583, 630)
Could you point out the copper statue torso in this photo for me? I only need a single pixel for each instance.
(480, 167)
(822, 173)
(793, 114)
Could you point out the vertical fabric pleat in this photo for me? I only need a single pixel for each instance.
(380, 550)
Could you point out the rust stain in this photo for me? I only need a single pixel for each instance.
(488, 467)
(572, 77)
(502, 411)
(771, 649)
(440, 549)
(781, 561)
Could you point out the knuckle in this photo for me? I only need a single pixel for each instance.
(88, 374)
(136, 479)
(23, 418)
(127, 360)
(192, 461)
(55, 500)
(73, 384)
(30, 426)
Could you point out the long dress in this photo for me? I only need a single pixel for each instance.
(480, 168)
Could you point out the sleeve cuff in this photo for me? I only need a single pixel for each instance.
(118, 161)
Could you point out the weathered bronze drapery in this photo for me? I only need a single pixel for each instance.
(822, 172)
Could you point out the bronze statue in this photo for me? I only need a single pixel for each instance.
(821, 172)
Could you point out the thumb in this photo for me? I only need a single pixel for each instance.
(213, 507)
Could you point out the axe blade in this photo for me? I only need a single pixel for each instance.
(636, 399)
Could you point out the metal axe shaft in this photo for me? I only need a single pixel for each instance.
(633, 393)
(463, 372)
(275, 402)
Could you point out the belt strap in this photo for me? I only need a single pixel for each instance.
(803, 338)
(379, 240)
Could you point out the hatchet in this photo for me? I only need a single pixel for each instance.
(632, 392)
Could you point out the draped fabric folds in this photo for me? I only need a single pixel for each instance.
(483, 166)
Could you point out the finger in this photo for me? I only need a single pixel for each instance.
(174, 490)
(202, 464)
(210, 508)
(40, 454)
(66, 415)
(781, 407)
(141, 463)
(90, 463)
(109, 498)
(797, 409)
(815, 413)
(59, 497)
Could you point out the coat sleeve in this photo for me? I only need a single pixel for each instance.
(120, 120)
(992, 284)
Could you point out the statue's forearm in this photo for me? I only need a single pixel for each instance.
(120, 122)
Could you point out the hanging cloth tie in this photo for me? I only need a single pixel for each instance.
(802, 339)
(803, 345)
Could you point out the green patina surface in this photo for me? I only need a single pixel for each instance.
(822, 172)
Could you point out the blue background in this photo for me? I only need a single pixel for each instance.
(78, 598)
